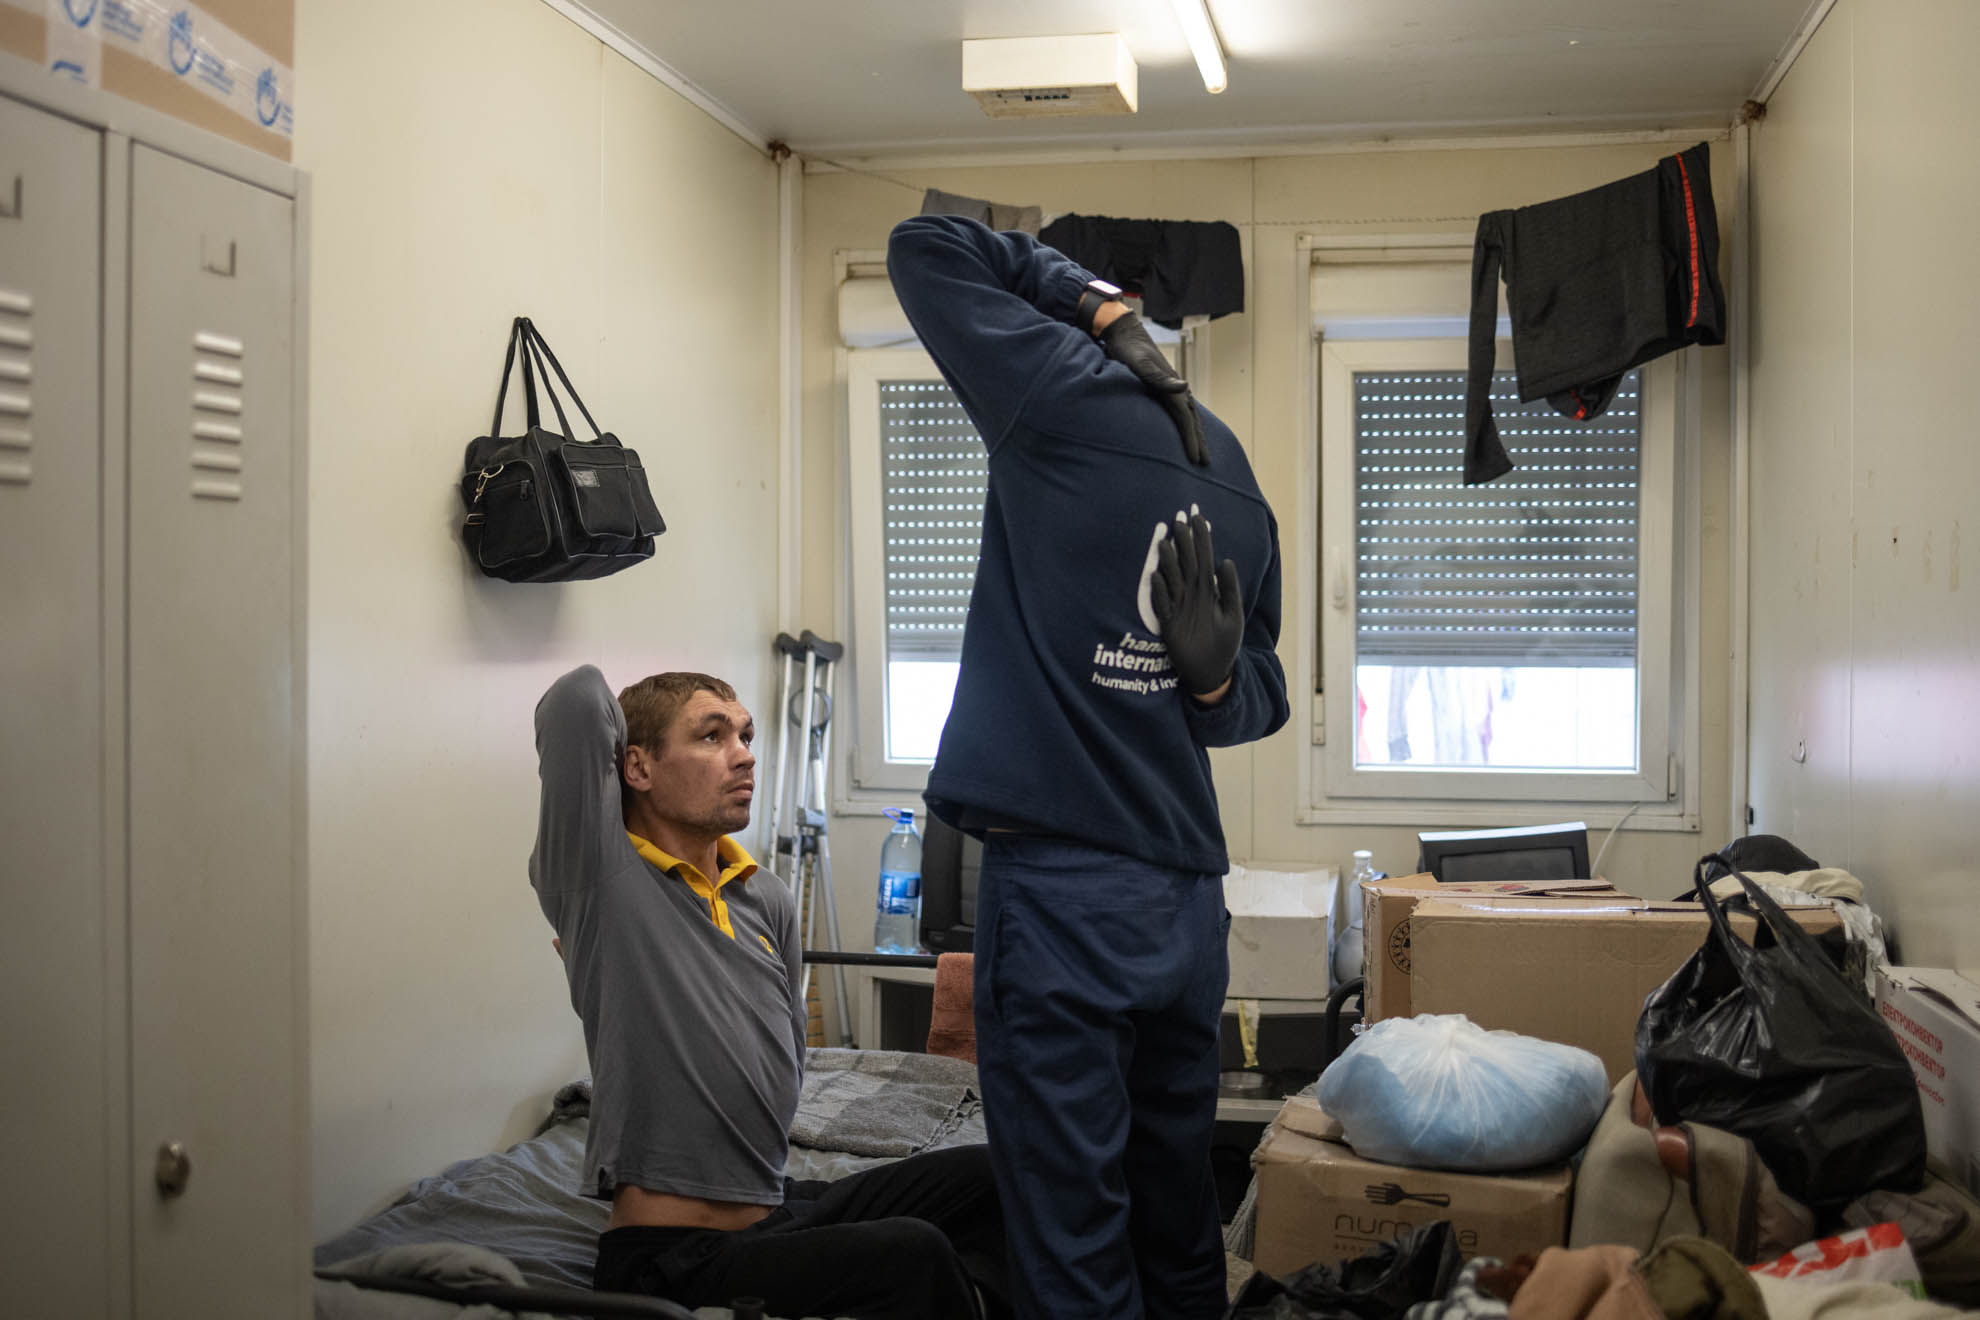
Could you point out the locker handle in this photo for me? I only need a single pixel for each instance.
(209, 258)
(174, 1169)
(12, 212)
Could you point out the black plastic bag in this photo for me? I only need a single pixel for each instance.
(1769, 1041)
(1419, 1266)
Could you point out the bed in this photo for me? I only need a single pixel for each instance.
(513, 1221)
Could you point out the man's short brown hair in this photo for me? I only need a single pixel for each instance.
(651, 704)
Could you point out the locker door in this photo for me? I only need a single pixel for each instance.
(54, 1224)
(216, 990)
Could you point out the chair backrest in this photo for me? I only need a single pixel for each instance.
(950, 864)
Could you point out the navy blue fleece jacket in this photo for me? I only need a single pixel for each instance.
(1067, 718)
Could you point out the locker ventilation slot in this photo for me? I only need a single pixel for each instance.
(218, 381)
(16, 396)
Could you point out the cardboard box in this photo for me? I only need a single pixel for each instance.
(1282, 925)
(1936, 1017)
(1570, 971)
(1319, 1201)
(1386, 906)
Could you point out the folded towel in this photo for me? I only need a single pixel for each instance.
(952, 1023)
(880, 1102)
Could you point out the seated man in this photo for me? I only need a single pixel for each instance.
(683, 959)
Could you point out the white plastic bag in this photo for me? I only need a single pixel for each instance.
(1440, 1092)
(1877, 1254)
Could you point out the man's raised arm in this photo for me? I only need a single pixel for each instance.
(580, 826)
(999, 313)
(993, 309)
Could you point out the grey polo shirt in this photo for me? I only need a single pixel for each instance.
(687, 985)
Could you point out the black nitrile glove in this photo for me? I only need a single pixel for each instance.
(1200, 609)
(1126, 341)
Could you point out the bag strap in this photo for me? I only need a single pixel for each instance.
(529, 385)
(563, 422)
(1766, 911)
(536, 338)
(1730, 943)
(1787, 930)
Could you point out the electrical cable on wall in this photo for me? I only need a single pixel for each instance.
(1596, 868)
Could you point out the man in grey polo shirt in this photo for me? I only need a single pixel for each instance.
(683, 959)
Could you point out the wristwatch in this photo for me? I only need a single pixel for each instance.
(1091, 298)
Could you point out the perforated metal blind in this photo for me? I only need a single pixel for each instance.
(1536, 568)
(935, 471)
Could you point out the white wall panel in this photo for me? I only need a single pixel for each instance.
(1802, 540)
(1915, 646)
(472, 162)
(1865, 161)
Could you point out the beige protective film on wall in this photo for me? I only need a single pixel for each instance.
(1254, 383)
(225, 66)
(457, 184)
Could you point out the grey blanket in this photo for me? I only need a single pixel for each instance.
(858, 1108)
(439, 1262)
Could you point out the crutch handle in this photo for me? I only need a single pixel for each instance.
(829, 652)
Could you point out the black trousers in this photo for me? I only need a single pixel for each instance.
(1099, 982)
(912, 1240)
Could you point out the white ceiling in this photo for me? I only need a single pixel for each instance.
(873, 77)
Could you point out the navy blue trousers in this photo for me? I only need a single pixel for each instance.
(1099, 983)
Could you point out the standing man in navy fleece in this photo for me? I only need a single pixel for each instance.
(1106, 649)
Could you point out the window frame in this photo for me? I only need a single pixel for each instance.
(1339, 361)
(1663, 793)
(870, 767)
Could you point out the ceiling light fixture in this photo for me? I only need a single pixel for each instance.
(1194, 15)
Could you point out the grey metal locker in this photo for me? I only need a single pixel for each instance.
(218, 1001)
(56, 1224)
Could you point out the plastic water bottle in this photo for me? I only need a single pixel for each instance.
(1347, 940)
(897, 923)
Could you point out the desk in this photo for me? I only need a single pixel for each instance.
(890, 1002)
(891, 1009)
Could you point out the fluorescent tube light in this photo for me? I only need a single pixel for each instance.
(1195, 20)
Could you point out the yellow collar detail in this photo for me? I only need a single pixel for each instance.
(737, 864)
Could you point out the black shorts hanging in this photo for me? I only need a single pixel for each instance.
(1596, 283)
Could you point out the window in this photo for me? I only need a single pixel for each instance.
(918, 474)
(1510, 642)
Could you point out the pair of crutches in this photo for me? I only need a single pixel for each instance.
(794, 828)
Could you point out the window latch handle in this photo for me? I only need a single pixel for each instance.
(1337, 588)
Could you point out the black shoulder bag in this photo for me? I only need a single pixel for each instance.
(543, 507)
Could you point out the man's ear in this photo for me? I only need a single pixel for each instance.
(636, 768)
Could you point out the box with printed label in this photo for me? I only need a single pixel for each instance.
(1935, 1015)
(1319, 1201)
(227, 66)
(1574, 972)
(1386, 906)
